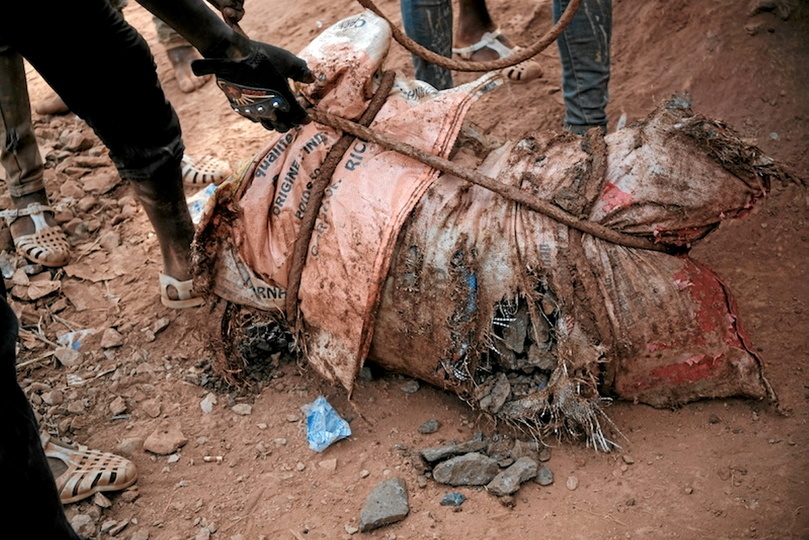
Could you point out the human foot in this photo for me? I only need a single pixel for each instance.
(484, 46)
(493, 46)
(35, 233)
(181, 58)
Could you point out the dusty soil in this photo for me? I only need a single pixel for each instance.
(713, 469)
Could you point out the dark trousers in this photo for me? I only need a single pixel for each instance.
(32, 506)
(103, 70)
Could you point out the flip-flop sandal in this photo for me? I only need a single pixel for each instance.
(47, 245)
(185, 293)
(205, 170)
(88, 471)
(523, 72)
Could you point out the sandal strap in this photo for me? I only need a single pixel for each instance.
(35, 210)
(185, 298)
(488, 39)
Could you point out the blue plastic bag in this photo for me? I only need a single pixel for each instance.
(323, 425)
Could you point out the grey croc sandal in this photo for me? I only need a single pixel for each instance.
(47, 245)
(205, 170)
(88, 471)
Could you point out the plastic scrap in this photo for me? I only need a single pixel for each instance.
(197, 201)
(73, 340)
(324, 425)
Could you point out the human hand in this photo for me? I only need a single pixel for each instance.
(232, 10)
(257, 87)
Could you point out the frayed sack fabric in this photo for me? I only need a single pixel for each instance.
(529, 320)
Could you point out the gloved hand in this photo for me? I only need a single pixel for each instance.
(256, 86)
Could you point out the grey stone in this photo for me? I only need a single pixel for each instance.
(111, 339)
(387, 503)
(87, 203)
(498, 391)
(544, 476)
(242, 409)
(529, 449)
(77, 141)
(432, 455)
(83, 524)
(472, 469)
(572, 483)
(71, 189)
(430, 426)
(410, 387)
(129, 446)
(120, 526)
(151, 407)
(117, 406)
(453, 499)
(68, 356)
(545, 454)
(110, 240)
(101, 182)
(508, 481)
(514, 334)
(165, 440)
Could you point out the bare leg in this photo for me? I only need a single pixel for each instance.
(181, 58)
(474, 21)
(163, 199)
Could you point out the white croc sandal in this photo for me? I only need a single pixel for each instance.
(47, 245)
(205, 170)
(523, 72)
(185, 293)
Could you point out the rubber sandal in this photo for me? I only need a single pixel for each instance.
(205, 170)
(185, 289)
(88, 471)
(523, 72)
(47, 245)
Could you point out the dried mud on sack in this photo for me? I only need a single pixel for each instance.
(246, 237)
(527, 319)
(537, 323)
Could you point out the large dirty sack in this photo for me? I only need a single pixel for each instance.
(526, 318)
(372, 192)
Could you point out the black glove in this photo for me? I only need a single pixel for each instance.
(256, 86)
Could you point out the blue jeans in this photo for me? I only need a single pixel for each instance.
(429, 23)
(584, 49)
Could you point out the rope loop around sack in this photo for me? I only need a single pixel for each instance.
(319, 184)
(509, 192)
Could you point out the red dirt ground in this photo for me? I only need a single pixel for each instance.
(713, 469)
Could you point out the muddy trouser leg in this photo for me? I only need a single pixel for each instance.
(168, 36)
(32, 507)
(118, 94)
(584, 49)
(429, 23)
(19, 153)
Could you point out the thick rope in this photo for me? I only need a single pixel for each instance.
(316, 192)
(509, 192)
(465, 65)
